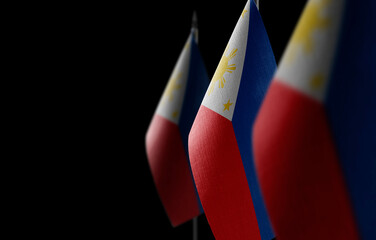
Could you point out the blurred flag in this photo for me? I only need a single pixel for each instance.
(220, 138)
(315, 135)
(167, 136)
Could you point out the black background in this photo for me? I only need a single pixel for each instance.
(125, 56)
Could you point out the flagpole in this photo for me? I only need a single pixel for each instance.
(195, 228)
(257, 4)
(195, 26)
(195, 35)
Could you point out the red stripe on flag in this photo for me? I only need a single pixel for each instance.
(170, 170)
(220, 178)
(298, 168)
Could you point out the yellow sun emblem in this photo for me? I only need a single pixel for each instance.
(311, 20)
(172, 86)
(222, 68)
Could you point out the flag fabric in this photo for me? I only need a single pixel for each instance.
(167, 136)
(220, 138)
(314, 138)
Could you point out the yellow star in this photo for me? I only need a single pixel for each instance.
(227, 105)
(186, 46)
(244, 11)
(175, 114)
(317, 82)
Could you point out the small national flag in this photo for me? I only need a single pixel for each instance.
(220, 138)
(315, 135)
(167, 136)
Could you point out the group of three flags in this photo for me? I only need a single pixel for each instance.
(265, 152)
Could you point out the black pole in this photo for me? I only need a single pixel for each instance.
(195, 228)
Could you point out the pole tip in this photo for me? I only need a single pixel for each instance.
(194, 20)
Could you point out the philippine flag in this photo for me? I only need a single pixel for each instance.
(167, 136)
(220, 138)
(315, 135)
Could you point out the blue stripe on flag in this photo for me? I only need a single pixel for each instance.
(351, 109)
(197, 83)
(258, 70)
